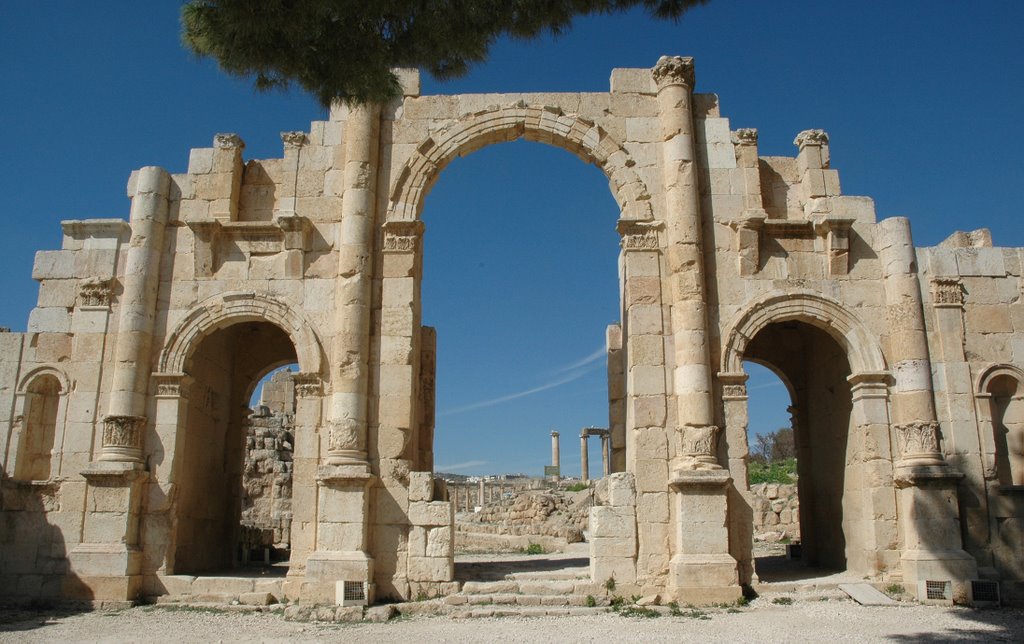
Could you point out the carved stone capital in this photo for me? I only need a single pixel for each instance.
(402, 236)
(947, 292)
(674, 70)
(639, 235)
(811, 137)
(228, 141)
(918, 443)
(122, 438)
(744, 136)
(307, 385)
(294, 139)
(698, 447)
(346, 443)
(95, 291)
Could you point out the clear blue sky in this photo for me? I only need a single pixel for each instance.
(922, 101)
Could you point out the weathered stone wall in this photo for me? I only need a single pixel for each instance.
(776, 511)
(549, 513)
(267, 478)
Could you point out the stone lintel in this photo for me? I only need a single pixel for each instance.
(113, 471)
(79, 228)
(333, 475)
(639, 234)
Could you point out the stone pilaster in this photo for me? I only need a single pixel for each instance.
(741, 527)
(616, 398)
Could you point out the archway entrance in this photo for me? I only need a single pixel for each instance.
(225, 365)
(816, 369)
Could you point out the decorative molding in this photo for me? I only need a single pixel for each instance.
(402, 236)
(170, 384)
(674, 70)
(734, 391)
(95, 291)
(122, 438)
(294, 139)
(346, 442)
(811, 137)
(228, 141)
(639, 235)
(744, 136)
(947, 293)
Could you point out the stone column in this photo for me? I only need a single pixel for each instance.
(555, 456)
(480, 493)
(351, 348)
(928, 497)
(674, 76)
(605, 456)
(584, 458)
(616, 397)
(125, 422)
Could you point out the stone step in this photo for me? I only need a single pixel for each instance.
(529, 586)
(554, 575)
(254, 591)
(525, 611)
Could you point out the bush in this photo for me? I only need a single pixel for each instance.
(783, 601)
(534, 549)
(783, 471)
(577, 487)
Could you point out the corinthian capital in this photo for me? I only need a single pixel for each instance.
(674, 70)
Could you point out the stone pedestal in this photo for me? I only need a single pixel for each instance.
(107, 564)
(341, 539)
(931, 527)
(702, 571)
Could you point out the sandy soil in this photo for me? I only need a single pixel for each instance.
(762, 621)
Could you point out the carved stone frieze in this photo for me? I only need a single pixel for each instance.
(307, 385)
(170, 384)
(674, 70)
(947, 292)
(95, 291)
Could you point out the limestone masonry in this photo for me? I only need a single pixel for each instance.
(126, 423)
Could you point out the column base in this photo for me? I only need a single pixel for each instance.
(704, 579)
(955, 566)
(103, 571)
(327, 572)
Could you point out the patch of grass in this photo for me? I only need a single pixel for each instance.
(534, 549)
(695, 613)
(743, 601)
(733, 610)
(577, 487)
(783, 471)
(186, 608)
(783, 601)
(895, 589)
(632, 610)
(591, 602)
(609, 584)
(617, 602)
(673, 608)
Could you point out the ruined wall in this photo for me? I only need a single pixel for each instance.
(776, 512)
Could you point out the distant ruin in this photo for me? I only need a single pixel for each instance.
(127, 425)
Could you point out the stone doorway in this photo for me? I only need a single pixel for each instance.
(225, 367)
(815, 369)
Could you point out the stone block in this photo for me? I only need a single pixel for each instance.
(53, 264)
(601, 547)
(621, 569)
(430, 569)
(440, 542)
(435, 513)
(621, 492)
(421, 486)
(609, 522)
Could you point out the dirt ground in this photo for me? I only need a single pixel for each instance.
(804, 620)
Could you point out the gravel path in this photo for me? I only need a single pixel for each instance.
(834, 621)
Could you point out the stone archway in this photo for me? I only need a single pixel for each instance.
(543, 124)
(866, 513)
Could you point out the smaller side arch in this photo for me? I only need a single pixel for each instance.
(993, 371)
(223, 310)
(806, 306)
(45, 370)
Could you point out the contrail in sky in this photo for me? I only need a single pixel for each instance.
(576, 370)
(459, 466)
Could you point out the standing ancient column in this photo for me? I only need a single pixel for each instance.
(584, 458)
(347, 445)
(555, 456)
(927, 484)
(605, 455)
(674, 76)
(124, 424)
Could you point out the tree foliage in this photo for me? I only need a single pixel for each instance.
(346, 49)
(774, 446)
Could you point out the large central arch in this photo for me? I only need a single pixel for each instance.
(543, 124)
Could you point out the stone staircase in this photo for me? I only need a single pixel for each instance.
(564, 591)
(221, 590)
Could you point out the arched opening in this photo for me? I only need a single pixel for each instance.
(225, 365)
(39, 429)
(1008, 428)
(772, 468)
(816, 368)
(521, 285)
